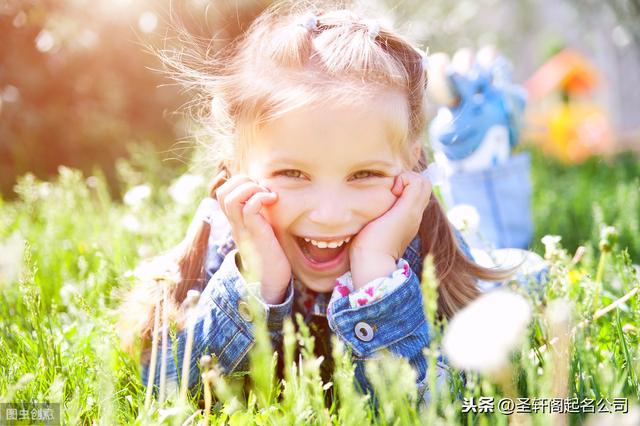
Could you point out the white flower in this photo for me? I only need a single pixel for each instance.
(481, 336)
(464, 217)
(181, 191)
(160, 267)
(131, 223)
(550, 245)
(44, 190)
(558, 312)
(136, 195)
(11, 265)
(67, 292)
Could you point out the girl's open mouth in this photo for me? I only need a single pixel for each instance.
(322, 258)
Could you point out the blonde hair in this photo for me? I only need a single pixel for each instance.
(296, 55)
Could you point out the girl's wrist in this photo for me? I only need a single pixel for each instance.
(272, 296)
(368, 265)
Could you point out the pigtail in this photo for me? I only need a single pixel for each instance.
(456, 274)
(190, 259)
(291, 45)
(181, 269)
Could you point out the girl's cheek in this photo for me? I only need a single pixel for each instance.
(377, 202)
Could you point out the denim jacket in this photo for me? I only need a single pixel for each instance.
(395, 322)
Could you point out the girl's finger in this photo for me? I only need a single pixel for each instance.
(397, 186)
(416, 190)
(255, 223)
(226, 188)
(235, 201)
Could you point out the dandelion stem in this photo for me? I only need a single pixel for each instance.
(154, 356)
(191, 418)
(207, 398)
(505, 380)
(186, 361)
(599, 276)
(598, 314)
(165, 345)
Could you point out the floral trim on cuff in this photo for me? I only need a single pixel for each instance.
(374, 290)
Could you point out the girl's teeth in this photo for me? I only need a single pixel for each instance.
(324, 244)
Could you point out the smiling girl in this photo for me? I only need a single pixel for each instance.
(318, 119)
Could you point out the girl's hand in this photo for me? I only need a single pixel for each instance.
(241, 200)
(377, 247)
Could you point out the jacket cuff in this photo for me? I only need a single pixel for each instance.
(277, 313)
(388, 320)
(274, 314)
(374, 289)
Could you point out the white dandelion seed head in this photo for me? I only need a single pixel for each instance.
(607, 231)
(131, 224)
(465, 217)
(160, 267)
(558, 312)
(481, 336)
(182, 189)
(550, 245)
(136, 195)
(11, 261)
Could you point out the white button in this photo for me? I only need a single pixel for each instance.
(364, 331)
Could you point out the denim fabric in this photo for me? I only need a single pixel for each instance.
(219, 327)
(397, 321)
(502, 197)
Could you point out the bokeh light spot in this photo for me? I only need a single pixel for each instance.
(148, 22)
(45, 41)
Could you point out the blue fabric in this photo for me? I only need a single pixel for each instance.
(502, 197)
(397, 319)
(482, 105)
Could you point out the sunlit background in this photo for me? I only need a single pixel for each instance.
(78, 85)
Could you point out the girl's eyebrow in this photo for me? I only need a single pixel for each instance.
(360, 165)
(285, 162)
(373, 163)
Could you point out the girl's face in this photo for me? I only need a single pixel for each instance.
(333, 168)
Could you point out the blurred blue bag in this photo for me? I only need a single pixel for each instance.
(502, 196)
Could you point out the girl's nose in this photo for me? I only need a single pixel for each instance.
(331, 213)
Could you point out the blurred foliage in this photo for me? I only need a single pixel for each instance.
(77, 80)
(79, 244)
(575, 202)
(627, 13)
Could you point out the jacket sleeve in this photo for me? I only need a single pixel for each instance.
(220, 327)
(395, 322)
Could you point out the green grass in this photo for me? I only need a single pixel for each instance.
(58, 339)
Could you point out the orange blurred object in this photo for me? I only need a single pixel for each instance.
(566, 71)
(578, 131)
(567, 127)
